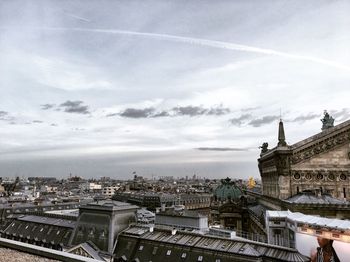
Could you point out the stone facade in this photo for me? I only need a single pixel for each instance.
(320, 163)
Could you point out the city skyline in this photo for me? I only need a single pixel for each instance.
(165, 88)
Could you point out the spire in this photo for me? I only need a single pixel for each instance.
(281, 136)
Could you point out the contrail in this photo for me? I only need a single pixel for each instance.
(76, 17)
(205, 42)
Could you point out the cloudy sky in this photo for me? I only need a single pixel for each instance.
(105, 88)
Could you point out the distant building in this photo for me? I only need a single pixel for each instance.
(182, 219)
(153, 200)
(110, 190)
(88, 186)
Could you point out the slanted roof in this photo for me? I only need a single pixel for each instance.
(48, 221)
(181, 213)
(160, 245)
(321, 135)
(310, 198)
(331, 223)
(258, 210)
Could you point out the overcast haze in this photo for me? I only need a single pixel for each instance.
(105, 88)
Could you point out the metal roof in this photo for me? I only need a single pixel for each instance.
(48, 221)
(158, 245)
(331, 223)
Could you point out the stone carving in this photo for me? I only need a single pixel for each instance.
(327, 121)
(264, 147)
(321, 147)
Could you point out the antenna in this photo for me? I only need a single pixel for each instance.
(280, 114)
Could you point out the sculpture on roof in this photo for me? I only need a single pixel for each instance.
(264, 147)
(327, 121)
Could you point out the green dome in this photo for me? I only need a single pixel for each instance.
(227, 190)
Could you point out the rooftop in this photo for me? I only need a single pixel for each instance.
(311, 198)
(110, 205)
(331, 223)
(209, 247)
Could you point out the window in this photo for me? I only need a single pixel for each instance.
(154, 250)
(140, 248)
(200, 258)
(168, 252)
(183, 255)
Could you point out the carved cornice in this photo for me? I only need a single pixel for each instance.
(321, 145)
(320, 175)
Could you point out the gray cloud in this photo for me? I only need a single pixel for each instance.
(218, 111)
(161, 114)
(250, 108)
(221, 149)
(3, 115)
(113, 114)
(239, 120)
(303, 118)
(263, 121)
(37, 121)
(47, 106)
(75, 107)
(191, 111)
(340, 115)
(137, 113)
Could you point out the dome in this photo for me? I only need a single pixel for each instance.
(227, 190)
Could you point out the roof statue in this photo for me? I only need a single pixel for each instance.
(327, 121)
(251, 183)
(264, 147)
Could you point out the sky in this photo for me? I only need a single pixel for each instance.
(165, 88)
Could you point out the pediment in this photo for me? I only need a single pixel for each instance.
(331, 142)
(336, 157)
(79, 250)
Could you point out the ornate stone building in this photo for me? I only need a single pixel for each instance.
(320, 163)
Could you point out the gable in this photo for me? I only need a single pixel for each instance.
(80, 251)
(336, 157)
